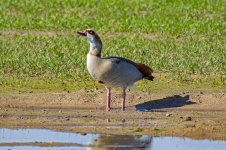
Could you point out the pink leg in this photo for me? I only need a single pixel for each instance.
(123, 99)
(108, 101)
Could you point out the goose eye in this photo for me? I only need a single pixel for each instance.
(91, 32)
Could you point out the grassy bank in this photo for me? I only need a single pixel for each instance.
(182, 41)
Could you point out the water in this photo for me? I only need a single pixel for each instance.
(44, 135)
(43, 139)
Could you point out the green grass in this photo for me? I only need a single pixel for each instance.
(184, 40)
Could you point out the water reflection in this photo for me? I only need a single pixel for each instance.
(121, 142)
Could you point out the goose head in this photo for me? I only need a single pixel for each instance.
(93, 38)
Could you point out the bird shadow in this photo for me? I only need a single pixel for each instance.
(168, 102)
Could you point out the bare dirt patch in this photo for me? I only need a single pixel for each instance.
(182, 114)
(136, 100)
(11, 33)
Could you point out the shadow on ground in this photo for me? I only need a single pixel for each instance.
(168, 102)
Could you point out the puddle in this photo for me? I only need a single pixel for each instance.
(39, 139)
(43, 135)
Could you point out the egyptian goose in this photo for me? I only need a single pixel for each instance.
(112, 71)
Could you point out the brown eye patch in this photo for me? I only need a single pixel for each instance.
(90, 32)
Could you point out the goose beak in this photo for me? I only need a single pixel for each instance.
(82, 33)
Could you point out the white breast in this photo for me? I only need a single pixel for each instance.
(92, 65)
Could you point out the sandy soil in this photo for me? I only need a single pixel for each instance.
(197, 115)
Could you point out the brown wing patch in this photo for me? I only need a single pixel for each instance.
(146, 71)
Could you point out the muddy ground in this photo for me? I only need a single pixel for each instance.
(199, 115)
